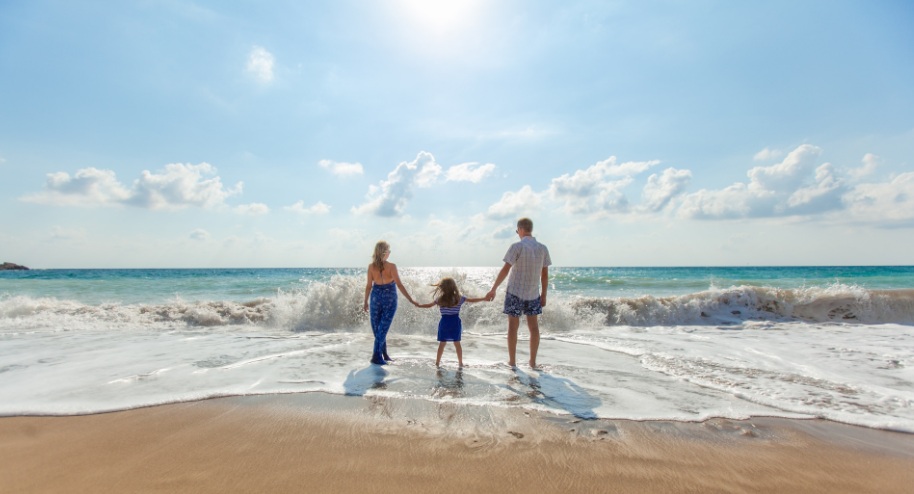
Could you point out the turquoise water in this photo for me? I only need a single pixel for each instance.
(157, 285)
(685, 343)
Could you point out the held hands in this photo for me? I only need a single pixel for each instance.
(490, 296)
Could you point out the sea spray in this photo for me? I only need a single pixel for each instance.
(641, 344)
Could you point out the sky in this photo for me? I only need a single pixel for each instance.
(173, 133)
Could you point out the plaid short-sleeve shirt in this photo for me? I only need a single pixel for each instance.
(527, 259)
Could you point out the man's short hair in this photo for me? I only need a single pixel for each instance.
(525, 224)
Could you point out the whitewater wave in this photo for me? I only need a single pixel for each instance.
(837, 303)
(336, 305)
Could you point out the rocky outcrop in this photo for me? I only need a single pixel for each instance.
(8, 266)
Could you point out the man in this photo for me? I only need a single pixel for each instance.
(528, 263)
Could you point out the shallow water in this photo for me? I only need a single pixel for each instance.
(818, 343)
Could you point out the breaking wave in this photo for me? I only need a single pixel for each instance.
(336, 306)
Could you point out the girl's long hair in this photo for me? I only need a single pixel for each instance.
(446, 292)
(377, 258)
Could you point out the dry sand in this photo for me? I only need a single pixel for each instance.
(320, 443)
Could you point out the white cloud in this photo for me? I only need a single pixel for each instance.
(768, 154)
(469, 172)
(342, 169)
(299, 208)
(870, 163)
(661, 189)
(87, 187)
(252, 209)
(792, 187)
(260, 64)
(178, 186)
(731, 202)
(515, 204)
(886, 204)
(504, 232)
(823, 195)
(788, 174)
(390, 197)
(592, 190)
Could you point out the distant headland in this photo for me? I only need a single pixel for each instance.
(8, 266)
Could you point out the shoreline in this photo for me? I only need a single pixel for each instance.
(318, 442)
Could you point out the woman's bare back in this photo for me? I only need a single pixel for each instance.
(385, 277)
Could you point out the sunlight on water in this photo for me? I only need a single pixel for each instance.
(637, 343)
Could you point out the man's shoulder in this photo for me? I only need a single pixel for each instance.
(532, 241)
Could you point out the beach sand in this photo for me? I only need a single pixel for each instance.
(316, 442)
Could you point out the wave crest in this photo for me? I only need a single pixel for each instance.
(336, 305)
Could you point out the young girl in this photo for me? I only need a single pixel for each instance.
(449, 301)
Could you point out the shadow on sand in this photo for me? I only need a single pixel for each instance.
(359, 382)
(555, 392)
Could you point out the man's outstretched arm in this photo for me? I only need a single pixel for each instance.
(498, 279)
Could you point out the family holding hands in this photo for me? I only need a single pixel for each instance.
(526, 268)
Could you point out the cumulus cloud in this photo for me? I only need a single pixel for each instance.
(889, 204)
(178, 186)
(252, 209)
(515, 204)
(661, 189)
(787, 174)
(299, 208)
(504, 232)
(87, 187)
(390, 197)
(794, 186)
(342, 169)
(768, 155)
(870, 163)
(823, 195)
(469, 172)
(260, 64)
(598, 187)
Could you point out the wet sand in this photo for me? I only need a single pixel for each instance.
(320, 443)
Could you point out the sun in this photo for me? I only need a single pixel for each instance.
(440, 18)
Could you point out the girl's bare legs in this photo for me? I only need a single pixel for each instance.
(440, 351)
(459, 353)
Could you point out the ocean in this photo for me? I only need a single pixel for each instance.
(653, 343)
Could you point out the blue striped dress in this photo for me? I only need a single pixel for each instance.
(450, 327)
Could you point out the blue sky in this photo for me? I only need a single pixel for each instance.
(281, 133)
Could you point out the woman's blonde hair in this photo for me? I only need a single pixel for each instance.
(446, 292)
(377, 258)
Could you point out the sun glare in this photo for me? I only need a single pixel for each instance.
(440, 17)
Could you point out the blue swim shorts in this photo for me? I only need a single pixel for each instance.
(514, 306)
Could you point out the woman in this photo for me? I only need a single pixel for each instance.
(383, 282)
